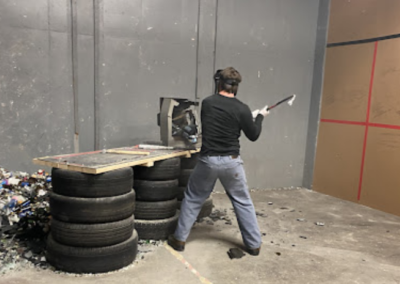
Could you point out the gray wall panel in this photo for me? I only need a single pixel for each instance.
(60, 98)
(116, 98)
(35, 89)
(85, 62)
(140, 66)
(85, 17)
(123, 18)
(273, 49)
(172, 21)
(206, 48)
(59, 15)
(24, 93)
(86, 92)
(25, 14)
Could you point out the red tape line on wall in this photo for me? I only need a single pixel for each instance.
(371, 83)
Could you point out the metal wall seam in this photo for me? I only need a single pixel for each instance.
(74, 57)
(196, 97)
(215, 40)
(98, 6)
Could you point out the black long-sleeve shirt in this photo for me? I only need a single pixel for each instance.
(222, 120)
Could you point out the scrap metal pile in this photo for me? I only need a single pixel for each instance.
(24, 218)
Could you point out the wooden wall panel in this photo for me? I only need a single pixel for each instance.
(388, 19)
(363, 19)
(338, 160)
(346, 82)
(352, 20)
(344, 107)
(385, 108)
(381, 183)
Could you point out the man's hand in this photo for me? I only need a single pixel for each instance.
(255, 113)
(264, 111)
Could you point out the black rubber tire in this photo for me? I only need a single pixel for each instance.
(184, 177)
(205, 210)
(92, 210)
(181, 193)
(156, 229)
(150, 190)
(76, 184)
(155, 210)
(190, 163)
(162, 170)
(92, 235)
(91, 260)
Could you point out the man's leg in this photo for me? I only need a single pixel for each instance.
(233, 178)
(200, 185)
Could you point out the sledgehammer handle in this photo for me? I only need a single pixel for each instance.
(278, 103)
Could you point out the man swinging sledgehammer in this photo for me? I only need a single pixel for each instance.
(223, 117)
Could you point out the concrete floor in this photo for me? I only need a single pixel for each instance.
(356, 245)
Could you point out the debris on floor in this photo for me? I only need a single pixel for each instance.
(24, 218)
(218, 215)
(235, 253)
(260, 214)
(319, 224)
(146, 246)
(301, 220)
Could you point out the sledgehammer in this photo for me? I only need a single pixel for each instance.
(289, 100)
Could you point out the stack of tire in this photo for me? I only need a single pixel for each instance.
(156, 214)
(187, 167)
(92, 227)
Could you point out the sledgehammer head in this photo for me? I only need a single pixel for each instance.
(290, 102)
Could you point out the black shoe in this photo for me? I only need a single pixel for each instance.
(175, 244)
(254, 252)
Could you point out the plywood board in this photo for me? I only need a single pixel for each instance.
(101, 161)
(346, 82)
(388, 20)
(381, 184)
(352, 20)
(385, 107)
(362, 19)
(338, 160)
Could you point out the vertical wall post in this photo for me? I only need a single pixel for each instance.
(74, 56)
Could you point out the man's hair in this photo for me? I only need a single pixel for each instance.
(229, 80)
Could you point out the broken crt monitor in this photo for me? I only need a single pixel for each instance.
(179, 123)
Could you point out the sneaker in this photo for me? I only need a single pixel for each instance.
(175, 244)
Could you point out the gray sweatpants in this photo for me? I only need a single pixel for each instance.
(231, 173)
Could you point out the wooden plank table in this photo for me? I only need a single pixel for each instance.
(101, 161)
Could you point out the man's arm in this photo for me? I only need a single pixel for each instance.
(250, 127)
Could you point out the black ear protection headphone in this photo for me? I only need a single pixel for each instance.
(218, 76)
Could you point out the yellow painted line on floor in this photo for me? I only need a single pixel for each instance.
(179, 257)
